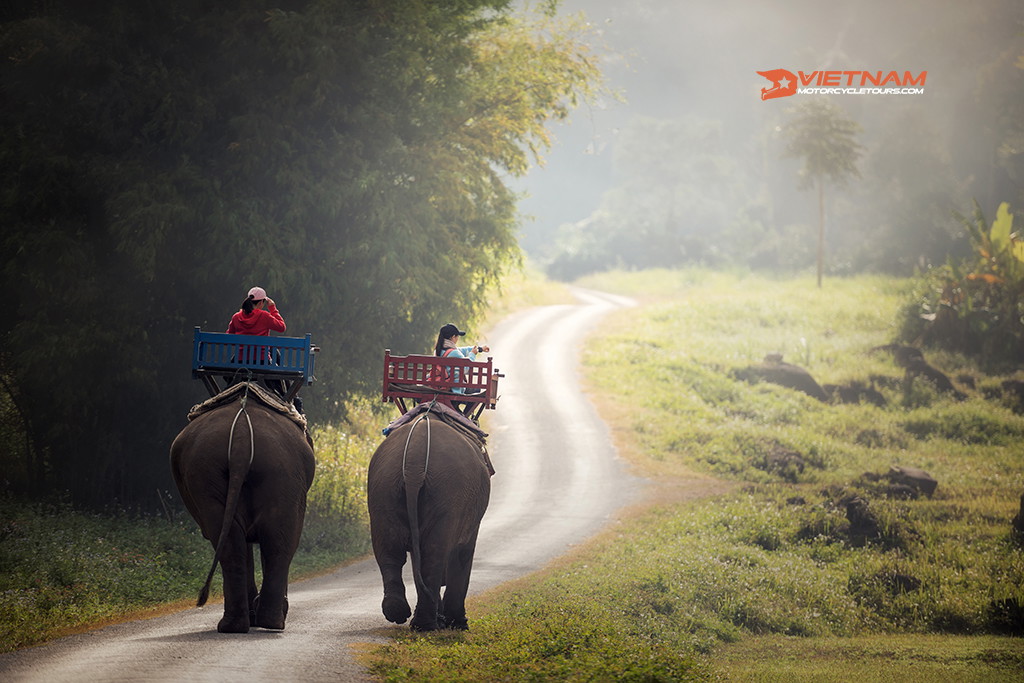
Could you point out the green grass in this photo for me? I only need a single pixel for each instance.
(60, 569)
(906, 658)
(697, 589)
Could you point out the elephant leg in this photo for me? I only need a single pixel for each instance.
(252, 591)
(235, 570)
(453, 605)
(428, 595)
(272, 606)
(391, 556)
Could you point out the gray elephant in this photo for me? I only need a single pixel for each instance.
(427, 489)
(243, 467)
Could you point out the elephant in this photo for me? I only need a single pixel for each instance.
(428, 487)
(243, 467)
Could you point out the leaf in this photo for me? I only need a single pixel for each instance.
(986, 277)
(1018, 251)
(1002, 226)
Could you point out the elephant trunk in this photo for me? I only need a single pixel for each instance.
(238, 470)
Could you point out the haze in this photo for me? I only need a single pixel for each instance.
(690, 69)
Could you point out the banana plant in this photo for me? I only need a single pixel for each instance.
(999, 248)
(980, 305)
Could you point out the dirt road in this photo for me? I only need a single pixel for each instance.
(558, 481)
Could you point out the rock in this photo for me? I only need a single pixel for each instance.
(1006, 616)
(1013, 391)
(1018, 523)
(911, 476)
(901, 492)
(855, 392)
(775, 371)
(912, 360)
(786, 463)
(863, 523)
(966, 380)
(920, 368)
(1014, 387)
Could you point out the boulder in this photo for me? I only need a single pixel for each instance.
(913, 477)
(776, 371)
(912, 361)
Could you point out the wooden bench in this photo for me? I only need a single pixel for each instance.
(221, 359)
(413, 379)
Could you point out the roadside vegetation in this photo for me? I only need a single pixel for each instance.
(806, 560)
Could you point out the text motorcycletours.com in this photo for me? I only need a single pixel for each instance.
(786, 83)
(860, 91)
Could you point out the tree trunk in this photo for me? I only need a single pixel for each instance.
(821, 228)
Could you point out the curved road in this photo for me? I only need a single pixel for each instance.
(558, 480)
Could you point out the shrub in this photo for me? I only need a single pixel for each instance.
(975, 307)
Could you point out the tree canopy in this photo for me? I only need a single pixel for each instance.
(825, 139)
(158, 159)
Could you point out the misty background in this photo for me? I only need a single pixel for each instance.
(689, 168)
(367, 163)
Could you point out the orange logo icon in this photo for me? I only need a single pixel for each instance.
(783, 84)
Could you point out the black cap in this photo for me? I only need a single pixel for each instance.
(449, 331)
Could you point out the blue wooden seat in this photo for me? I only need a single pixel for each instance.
(221, 359)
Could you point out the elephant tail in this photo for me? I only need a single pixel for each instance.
(414, 480)
(238, 470)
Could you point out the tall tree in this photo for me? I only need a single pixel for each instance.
(158, 159)
(821, 134)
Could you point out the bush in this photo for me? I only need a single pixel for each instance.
(975, 307)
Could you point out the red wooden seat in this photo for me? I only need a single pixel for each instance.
(413, 379)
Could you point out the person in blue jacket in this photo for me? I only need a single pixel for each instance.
(447, 346)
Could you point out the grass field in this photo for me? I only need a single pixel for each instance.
(747, 564)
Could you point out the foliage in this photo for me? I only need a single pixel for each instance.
(336, 516)
(822, 135)
(159, 159)
(777, 555)
(60, 568)
(977, 306)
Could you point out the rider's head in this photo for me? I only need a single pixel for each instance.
(448, 331)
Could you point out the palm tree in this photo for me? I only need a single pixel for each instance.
(821, 134)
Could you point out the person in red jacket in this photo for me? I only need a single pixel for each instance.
(258, 315)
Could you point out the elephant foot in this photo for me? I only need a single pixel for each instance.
(270, 623)
(457, 624)
(268, 619)
(424, 625)
(233, 624)
(395, 610)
